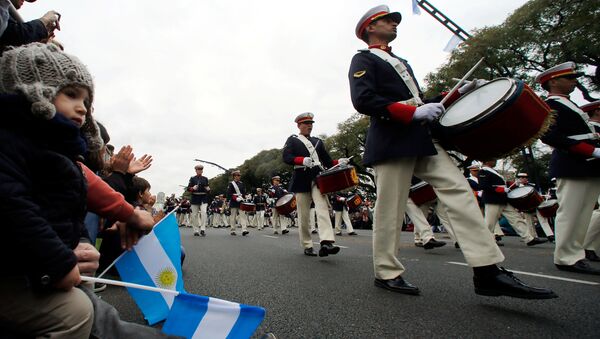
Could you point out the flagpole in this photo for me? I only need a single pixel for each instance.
(122, 254)
(127, 284)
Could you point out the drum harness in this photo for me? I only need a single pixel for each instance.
(579, 137)
(312, 151)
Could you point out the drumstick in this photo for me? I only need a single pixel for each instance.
(455, 88)
(336, 165)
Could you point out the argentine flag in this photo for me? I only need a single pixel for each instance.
(155, 261)
(197, 317)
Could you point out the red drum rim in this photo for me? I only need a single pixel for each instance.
(507, 99)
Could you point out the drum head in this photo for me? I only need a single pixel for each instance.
(520, 192)
(478, 103)
(284, 200)
(418, 185)
(548, 203)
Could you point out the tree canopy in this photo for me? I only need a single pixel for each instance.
(537, 36)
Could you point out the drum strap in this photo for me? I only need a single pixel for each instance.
(402, 71)
(312, 151)
(572, 106)
(236, 188)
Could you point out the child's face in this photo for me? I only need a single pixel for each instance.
(146, 197)
(72, 102)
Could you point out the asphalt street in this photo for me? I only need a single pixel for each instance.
(334, 297)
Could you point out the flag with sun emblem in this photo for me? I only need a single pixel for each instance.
(155, 261)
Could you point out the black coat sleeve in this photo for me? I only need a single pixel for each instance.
(17, 34)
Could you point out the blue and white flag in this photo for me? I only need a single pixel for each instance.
(155, 261)
(452, 43)
(194, 316)
(416, 9)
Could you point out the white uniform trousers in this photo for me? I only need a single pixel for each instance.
(440, 211)
(342, 216)
(576, 200)
(312, 220)
(592, 237)
(259, 218)
(199, 217)
(243, 219)
(514, 218)
(279, 222)
(422, 231)
(303, 200)
(393, 182)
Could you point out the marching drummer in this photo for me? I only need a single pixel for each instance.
(340, 210)
(276, 191)
(235, 196)
(576, 166)
(593, 111)
(495, 199)
(399, 144)
(308, 156)
(522, 181)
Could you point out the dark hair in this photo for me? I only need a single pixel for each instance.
(139, 185)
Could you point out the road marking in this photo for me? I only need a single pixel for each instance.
(270, 236)
(340, 246)
(538, 275)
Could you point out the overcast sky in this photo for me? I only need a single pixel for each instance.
(223, 80)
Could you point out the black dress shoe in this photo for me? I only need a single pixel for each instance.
(418, 244)
(314, 232)
(499, 243)
(591, 255)
(498, 237)
(285, 232)
(245, 233)
(550, 238)
(505, 283)
(431, 244)
(202, 233)
(196, 234)
(456, 245)
(536, 241)
(352, 233)
(579, 267)
(327, 248)
(339, 234)
(310, 252)
(397, 285)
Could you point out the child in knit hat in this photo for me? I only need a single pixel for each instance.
(45, 101)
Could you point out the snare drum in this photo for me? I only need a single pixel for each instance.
(338, 179)
(248, 207)
(353, 202)
(421, 193)
(524, 198)
(548, 208)
(286, 204)
(502, 115)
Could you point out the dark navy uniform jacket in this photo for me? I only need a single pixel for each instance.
(566, 164)
(303, 177)
(231, 191)
(336, 204)
(371, 93)
(200, 196)
(260, 200)
(487, 182)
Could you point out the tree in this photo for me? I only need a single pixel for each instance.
(537, 36)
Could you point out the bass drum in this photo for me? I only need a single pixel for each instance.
(494, 120)
(286, 204)
(421, 193)
(548, 208)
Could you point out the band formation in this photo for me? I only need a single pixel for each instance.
(407, 146)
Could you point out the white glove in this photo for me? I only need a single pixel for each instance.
(428, 112)
(471, 85)
(308, 162)
(343, 161)
(342, 199)
(596, 153)
(238, 199)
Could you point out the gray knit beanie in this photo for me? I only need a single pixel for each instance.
(39, 71)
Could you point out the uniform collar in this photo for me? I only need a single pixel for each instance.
(560, 95)
(382, 47)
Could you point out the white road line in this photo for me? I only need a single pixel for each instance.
(538, 275)
(270, 236)
(340, 246)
